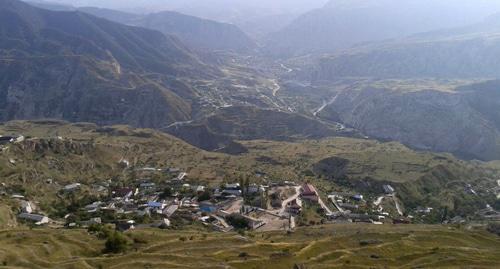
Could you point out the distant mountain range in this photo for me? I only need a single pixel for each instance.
(463, 52)
(198, 33)
(341, 24)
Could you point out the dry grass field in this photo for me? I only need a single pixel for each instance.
(332, 246)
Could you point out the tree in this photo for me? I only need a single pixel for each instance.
(246, 185)
(238, 221)
(494, 228)
(167, 192)
(116, 243)
(205, 196)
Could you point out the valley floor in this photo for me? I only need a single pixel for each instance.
(331, 246)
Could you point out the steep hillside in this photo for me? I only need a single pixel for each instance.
(462, 52)
(73, 66)
(450, 57)
(247, 123)
(464, 121)
(201, 34)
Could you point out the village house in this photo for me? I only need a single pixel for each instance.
(89, 222)
(198, 189)
(388, 189)
(123, 193)
(125, 225)
(156, 207)
(357, 197)
(35, 218)
(7, 139)
(424, 210)
(27, 207)
(232, 189)
(255, 189)
(170, 210)
(72, 187)
(294, 207)
(147, 169)
(93, 207)
(147, 185)
(208, 207)
(309, 193)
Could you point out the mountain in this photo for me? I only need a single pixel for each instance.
(51, 5)
(341, 24)
(200, 34)
(464, 120)
(74, 66)
(463, 52)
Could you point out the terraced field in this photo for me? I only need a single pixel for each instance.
(338, 246)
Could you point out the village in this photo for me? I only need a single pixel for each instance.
(169, 198)
(178, 201)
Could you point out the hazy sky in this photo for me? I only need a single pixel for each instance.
(268, 6)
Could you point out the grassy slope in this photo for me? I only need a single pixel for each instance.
(89, 154)
(336, 246)
(102, 151)
(384, 161)
(7, 218)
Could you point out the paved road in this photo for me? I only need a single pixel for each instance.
(332, 198)
(276, 88)
(398, 206)
(322, 204)
(281, 212)
(325, 104)
(378, 201)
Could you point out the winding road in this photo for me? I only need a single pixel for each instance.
(325, 104)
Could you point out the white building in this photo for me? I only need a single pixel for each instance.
(72, 187)
(26, 207)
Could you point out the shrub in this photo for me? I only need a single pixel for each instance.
(205, 196)
(237, 221)
(116, 243)
(243, 255)
(494, 228)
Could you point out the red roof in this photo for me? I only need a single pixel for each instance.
(308, 189)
